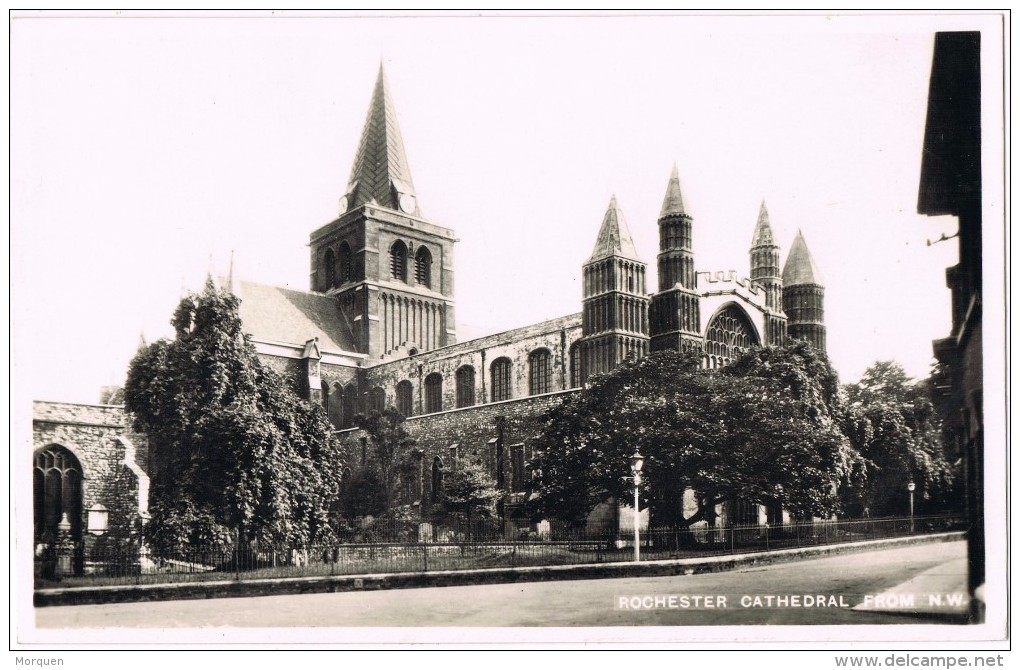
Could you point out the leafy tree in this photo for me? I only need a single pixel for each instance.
(391, 455)
(468, 494)
(900, 437)
(232, 448)
(739, 435)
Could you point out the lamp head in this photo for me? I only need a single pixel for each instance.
(911, 486)
(637, 461)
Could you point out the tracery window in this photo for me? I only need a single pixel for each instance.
(729, 334)
(377, 399)
(56, 477)
(575, 366)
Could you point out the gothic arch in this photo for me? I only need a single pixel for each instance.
(730, 332)
(57, 487)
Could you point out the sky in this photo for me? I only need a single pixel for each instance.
(145, 150)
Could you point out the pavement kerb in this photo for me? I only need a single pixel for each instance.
(335, 584)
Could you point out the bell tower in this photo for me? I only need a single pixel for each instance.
(804, 295)
(389, 269)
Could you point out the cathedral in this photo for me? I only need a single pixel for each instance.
(377, 328)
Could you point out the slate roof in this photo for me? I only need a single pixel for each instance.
(614, 237)
(272, 314)
(800, 268)
(380, 168)
(673, 203)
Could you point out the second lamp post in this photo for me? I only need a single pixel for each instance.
(636, 461)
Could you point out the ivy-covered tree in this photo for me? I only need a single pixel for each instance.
(237, 457)
(899, 434)
(744, 434)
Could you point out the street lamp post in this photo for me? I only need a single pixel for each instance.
(636, 461)
(911, 487)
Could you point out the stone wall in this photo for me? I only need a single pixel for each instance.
(556, 335)
(114, 459)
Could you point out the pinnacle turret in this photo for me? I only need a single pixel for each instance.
(380, 173)
(614, 236)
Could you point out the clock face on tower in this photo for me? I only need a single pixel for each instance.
(407, 202)
(344, 204)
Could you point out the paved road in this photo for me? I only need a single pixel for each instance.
(842, 582)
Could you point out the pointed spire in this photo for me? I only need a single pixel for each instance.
(210, 274)
(762, 230)
(614, 236)
(141, 341)
(380, 173)
(233, 281)
(673, 203)
(800, 268)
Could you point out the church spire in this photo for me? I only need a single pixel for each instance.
(380, 173)
(762, 230)
(614, 236)
(673, 203)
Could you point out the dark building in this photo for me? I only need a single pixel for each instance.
(951, 185)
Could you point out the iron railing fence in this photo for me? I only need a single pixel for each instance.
(480, 545)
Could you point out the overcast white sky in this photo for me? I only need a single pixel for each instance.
(141, 146)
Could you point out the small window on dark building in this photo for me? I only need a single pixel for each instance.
(344, 266)
(405, 398)
(398, 261)
(501, 379)
(423, 267)
(540, 372)
(465, 386)
(434, 393)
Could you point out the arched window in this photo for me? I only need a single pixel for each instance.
(405, 398)
(377, 399)
(575, 366)
(350, 405)
(329, 265)
(423, 267)
(465, 386)
(434, 393)
(398, 261)
(343, 263)
(437, 479)
(335, 408)
(539, 372)
(500, 379)
(56, 479)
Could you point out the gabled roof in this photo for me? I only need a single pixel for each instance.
(673, 203)
(380, 173)
(281, 315)
(800, 268)
(762, 230)
(614, 236)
